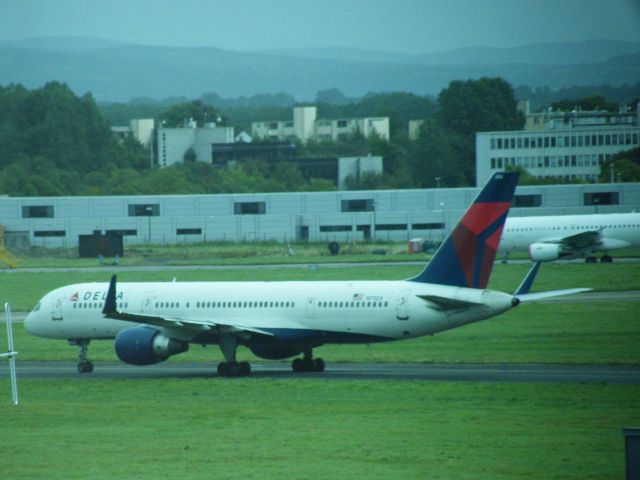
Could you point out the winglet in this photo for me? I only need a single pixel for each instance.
(525, 286)
(110, 302)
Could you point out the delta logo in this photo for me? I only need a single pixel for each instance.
(96, 296)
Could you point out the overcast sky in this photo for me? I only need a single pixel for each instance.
(403, 26)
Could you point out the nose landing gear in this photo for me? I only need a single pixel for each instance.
(84, 364)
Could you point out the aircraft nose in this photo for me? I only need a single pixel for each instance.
(28, 322)
(31, 321)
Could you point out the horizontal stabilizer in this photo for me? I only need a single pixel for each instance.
(445, 303)
(530, 297)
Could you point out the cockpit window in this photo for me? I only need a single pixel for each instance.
(37, 307)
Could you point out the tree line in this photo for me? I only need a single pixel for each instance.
(53, 142)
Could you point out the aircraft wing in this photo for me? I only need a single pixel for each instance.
(110, 311)
(577, 241)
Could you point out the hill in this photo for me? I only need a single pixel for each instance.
(118, 72)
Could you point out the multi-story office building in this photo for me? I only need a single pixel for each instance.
(306, 126)
(558, 144)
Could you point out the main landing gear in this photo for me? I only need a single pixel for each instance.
(84, 364)
(603, 259)
(234, 369)
(308, 363)
(230, 367)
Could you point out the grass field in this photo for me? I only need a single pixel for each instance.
(225, 253)
(314, 429)
(254, 428)
(246, 253)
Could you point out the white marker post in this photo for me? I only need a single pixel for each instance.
(11, 354)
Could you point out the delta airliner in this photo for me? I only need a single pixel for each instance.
(276, 320)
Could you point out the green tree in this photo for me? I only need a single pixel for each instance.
(594, 102)
(439, 159)
(484, 105)
(622, 167)
(179, 115)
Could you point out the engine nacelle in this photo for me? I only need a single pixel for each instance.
(546, 252)
(274, 351)
(146, 346)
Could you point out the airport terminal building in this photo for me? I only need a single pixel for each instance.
(57, 222)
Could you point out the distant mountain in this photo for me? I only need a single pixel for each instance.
(342, 53)
(65, 44)
(118, 72)
(560, 53)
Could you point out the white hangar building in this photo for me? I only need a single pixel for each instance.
(57, 222)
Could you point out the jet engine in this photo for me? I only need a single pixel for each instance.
(146, 346)
(545, 252)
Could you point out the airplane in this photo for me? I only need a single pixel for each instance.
(549, 238)
(152, 321)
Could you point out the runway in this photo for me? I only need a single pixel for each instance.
(611, 374)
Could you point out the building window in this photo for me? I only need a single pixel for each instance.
(189, 231)
(335, 228)
(37, 211)
(365, 205)
(49, 233)
(391, 226)
(144, 210)
(249, 208)
(601, 198)
(124, 233)
(427, 226)
(342, 124)
(534, 200)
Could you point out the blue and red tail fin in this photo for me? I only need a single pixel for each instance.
(465, 258)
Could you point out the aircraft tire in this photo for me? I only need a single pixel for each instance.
(245, 369)
(85, 367)
(318, 365)
(297, 365)
(234, 369)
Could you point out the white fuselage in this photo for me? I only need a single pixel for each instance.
(617, 230)
(343, 312)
